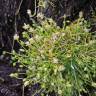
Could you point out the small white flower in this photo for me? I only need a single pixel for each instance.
(22, 50)
(65, 16)
(85, 68)
(29, 12)
(44, 79)
(94, 84)
(31, 40)
(52, 84)
(63, 34)
(59, 91)
(31, 29)
(38, 58)
(61, 68)
(31, 68)
(58, 27)
(26, 26)
(42, 56)
(16, 37)
(80, 14)
(35, 79)
(55, 71)
(37, 37)
(45, 69)
(80, 23)
(92, 42)
(50, 20)
(41, 51)
(24, 33)
(38, 75)
(21, 66)
(86, 29)
(55, 60)
(26, 83)
(13, 51)
(27, 43)
(55, 36)
(86, 76)
(14, 75)
(68, 55)
(68, 84)
(40, 16)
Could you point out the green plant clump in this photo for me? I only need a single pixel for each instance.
(60, 59)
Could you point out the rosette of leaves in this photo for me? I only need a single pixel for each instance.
(60, 59)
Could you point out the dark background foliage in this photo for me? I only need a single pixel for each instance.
(71, 8)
